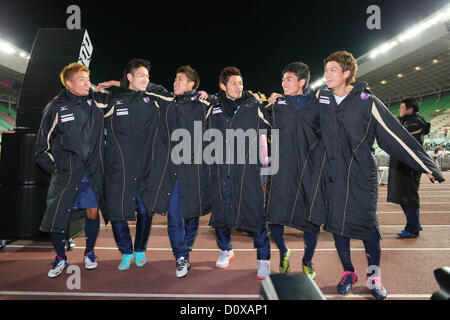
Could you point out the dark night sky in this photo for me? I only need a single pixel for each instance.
(259, 37)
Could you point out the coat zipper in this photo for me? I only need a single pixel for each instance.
(168, 155)
(62, 193)
(101, 145)
(317, 186)
(300, 180)
(271, 180)
(348, 175)
(242, 178)
(123, 166)
(198, 179)
(217, 166)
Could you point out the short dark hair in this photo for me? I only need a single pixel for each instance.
(346, 61)
(133, 65)
(190, 73)
(227, 73)
(300, 69)
(410, 102)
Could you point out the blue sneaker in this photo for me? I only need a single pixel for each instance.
(347, 280)
(58, 266)
(90, 260)
(406, 234)
(139, 258)
(127, 260)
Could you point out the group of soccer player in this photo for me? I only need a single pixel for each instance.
(116, 152)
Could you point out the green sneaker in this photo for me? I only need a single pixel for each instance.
(139, 258)
(127, 260)
(308, 269)
(284, 262)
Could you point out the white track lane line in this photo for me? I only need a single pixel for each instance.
(235, 249)
(421, 202)
(384, 226)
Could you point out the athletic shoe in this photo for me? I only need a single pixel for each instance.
(376, 288)
(127, 260)
(263, 269)
(58, 266)
(224, 259)
(139, 258)
(308, 269)
(89, 260)
(284, 262)
(347, 280)
(406, 234)
(183, 266)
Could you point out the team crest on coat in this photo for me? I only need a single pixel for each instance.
(146, 99)
(89, 102)
(364, 95)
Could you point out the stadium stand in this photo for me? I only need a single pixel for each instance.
(414, 63)
(12, 71)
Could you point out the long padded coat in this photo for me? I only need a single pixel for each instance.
(186, 112)
(131, 123)
(350, 177)
(288, 203)
(247, 194)
(404, 182)
(69, 146)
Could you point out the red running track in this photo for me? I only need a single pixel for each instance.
(406, 264)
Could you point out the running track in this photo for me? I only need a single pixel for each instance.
(406, 264)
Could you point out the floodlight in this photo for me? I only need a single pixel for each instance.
(7, 48)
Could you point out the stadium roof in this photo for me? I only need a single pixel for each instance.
(416, 62)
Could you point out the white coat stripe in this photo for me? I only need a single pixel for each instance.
(209, 112)
(55, 122)
(159, 96)
(110, 112)
(204, 102)
(260, 114)
(101, 105)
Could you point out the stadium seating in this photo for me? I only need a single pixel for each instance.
(435, 110)
(7, 119)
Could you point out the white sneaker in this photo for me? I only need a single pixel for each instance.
(58, 266)
(90, 261)
(224, 259)
(263, 269)
(183, 266)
